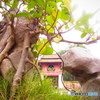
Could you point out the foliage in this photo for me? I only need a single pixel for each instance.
(49, 14)
(77, 45)
(83, 25)
(61, 52)
(46, 50)
(53, 16)
(33, 88)
(68, 77)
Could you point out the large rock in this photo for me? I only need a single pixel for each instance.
(86, 68)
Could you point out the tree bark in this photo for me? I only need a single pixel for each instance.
(20, 70)
(7, 45)
(14, 44)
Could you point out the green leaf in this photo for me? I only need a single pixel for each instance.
(40, 44)
(93, 38)
(35, 54)
(51, 30)
(83, 25)
(21, 14)
(33, 45)
(84, 20)
(50, 19)
(85, 31)
(58, 1)
(6, 1)
(66, 26)
(0, 4)
(44, 49)
(37, 15)
(31, 5)
(79, 28)
(64, 14)
(49, 10)
(67, 3)
(52, 3)
(47, 51)
(40, 2)
(15, 4)
(26, 0)
(83, 35)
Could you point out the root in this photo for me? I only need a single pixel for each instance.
(18, 76)
(8, 43)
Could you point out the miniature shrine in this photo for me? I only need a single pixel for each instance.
(51, 65)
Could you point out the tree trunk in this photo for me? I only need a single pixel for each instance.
(15, 39)
(24, 56)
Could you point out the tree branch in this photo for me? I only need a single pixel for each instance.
(86, 42)
(64, 24)
(54, 21)
(67, 30)
(40, 51)
(5, 9)
(62, 69)
(29, 61)
(90, 36)
(8, 43)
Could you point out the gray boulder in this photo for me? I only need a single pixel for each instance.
(85, 67)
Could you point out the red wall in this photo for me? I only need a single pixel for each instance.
(56, 72)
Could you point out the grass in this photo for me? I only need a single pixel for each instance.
(32, 88)
(4, 89)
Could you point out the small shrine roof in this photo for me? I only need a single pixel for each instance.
(50, 58)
